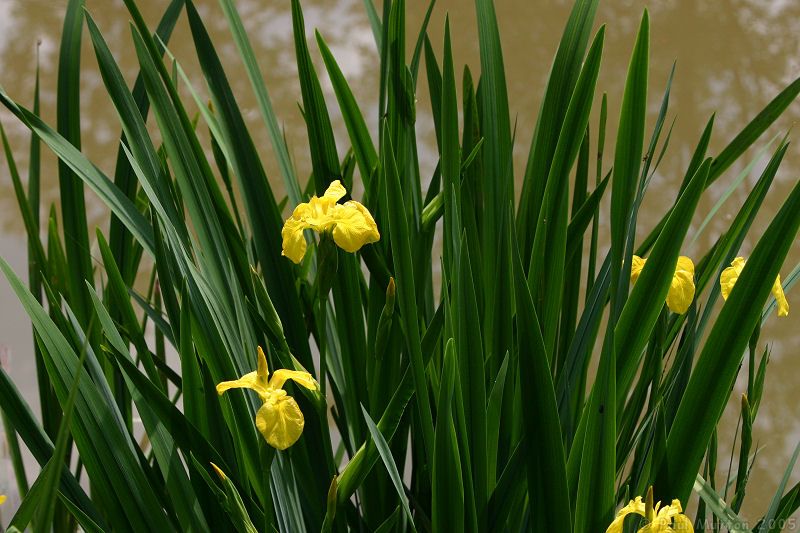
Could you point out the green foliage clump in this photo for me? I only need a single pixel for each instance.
(451, 357)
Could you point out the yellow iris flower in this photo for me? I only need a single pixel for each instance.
(279, 420)
(681, 291)
(667, 519)
(350, 223)
(729, 276)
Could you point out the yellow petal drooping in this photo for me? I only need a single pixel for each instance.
(294, 242)
(354, 227)
(780, 297)
(681, 289)
(350, 223)
(731, 274)
(637, 264)
(280, 421)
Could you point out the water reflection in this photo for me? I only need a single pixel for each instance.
(731, 59)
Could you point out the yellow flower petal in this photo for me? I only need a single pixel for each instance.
(681, 290)
(673, 519)
(257, 381)
(248, 381)
(634, 507)
(335, 191)
(659, 525)
(220, 474)
(354, 227)
(637, 264)
(280, 420)
(731, 274)
(669, 511)
(263, 369)
(279, 377)
(780, 297)
(2, 499)
(685, 265)
(294, 242)
(682, 524)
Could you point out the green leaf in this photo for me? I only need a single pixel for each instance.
(745, 138)
(448, 487)
(404, 279)
(38, 443)
(145, 162)
(547, 477)
(493, 408)
(364, 459)
(735, 183)
(264, 102)
(560, 87)
(498, 188)
(36, 255)
(73, 207)
(472, 377)
(421, 36)
(322, 145)
(388, 461)
(164, 447)
(769, 523)
(580, 220)
(119, 204)
(647, 298)
(42, 497)
(262, 210)
(548, 261)
(594, 504)
(120, 240)
(627, 160)
(721, 510)
(374, 22)
(363, 147)
(450, 162)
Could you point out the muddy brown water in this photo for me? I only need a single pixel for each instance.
(732, 57)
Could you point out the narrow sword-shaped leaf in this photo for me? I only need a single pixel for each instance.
(73, 207)
(546, 463)
(388, 461)
(627, 160)
(560, 85)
